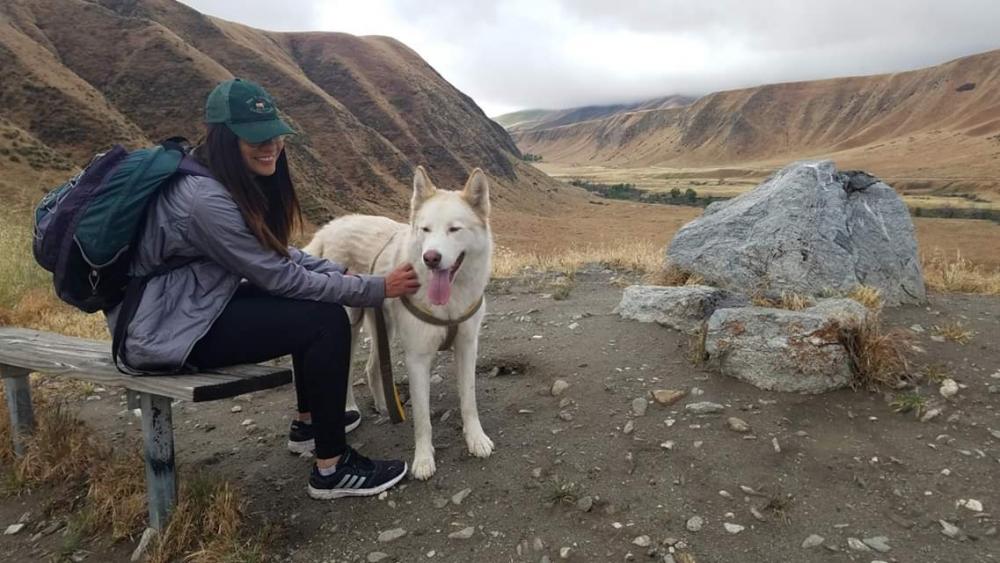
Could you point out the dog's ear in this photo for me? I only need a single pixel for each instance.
(423, 189)
(477, 193)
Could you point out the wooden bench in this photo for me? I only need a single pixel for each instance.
(23, 351)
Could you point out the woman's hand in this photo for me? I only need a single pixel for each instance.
(401, 281)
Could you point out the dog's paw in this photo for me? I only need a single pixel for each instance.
(423, 468)
(479, 444)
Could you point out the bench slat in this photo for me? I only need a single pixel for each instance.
(91, 360)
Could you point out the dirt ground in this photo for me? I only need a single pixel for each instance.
(568, 475)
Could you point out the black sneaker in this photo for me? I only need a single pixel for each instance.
(300, 435)
(356, 476)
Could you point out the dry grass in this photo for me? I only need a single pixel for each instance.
(878, 359)
(671, 275)
(635, 256)
(868, 296)
(959, 275)
(696, 346)
(40, 309)
(106, 491)
(787, 300)
(955, 332)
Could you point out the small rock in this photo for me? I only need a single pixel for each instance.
(13, 529)
(458, 497)
(585, 503)
(725, 494)
(247, 422)
(642, 541)
(737, 424)
(639, 406)
(948, 388)
(812, 541)
(704, 407)
(776, 445)
(237, 408)
(917, 328)
(564, 552)
(733, 528)
(857, 544)
(949, 529)
(391, 535)
(629, 428)
(695, 523)
(930, 415)
(972, 504)
(878, 543)
(573, 326)
(559, 386)
(566, 416)
(463, 534)
(995, 433)
(376, 556)
(667, 396)
(697, 392)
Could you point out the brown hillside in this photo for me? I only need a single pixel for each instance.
(939, 126)
(526, 120)
(80, 75)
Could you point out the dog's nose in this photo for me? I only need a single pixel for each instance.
(432, 258)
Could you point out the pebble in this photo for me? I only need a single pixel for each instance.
(639, 406)
(695, 523)
(237, 408)
(246, 422)
(917, 328)
(668, 445)
(559, 386)
(13, 529)
(573, 326)
(948, 388)
(776, 445)
(737, 424)
(725, 494)
(857, 544)
(704, 407)
(391, 535)
(995, 433)
(566, 416)
(668, 396)
(697, 392)
(463, 534)
(812, 541)
(376, 556)
(458, 497)
(930, 415)
(949, 529)
(733, 528)
(642, 541)
(972, 504)
(629, 428)
(564, 552)
(878, 543)
(937, 338)
(584, 504)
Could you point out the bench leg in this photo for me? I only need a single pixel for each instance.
(132, 399)
(22, 418)
(161, 479)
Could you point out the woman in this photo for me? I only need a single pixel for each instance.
(234, 224)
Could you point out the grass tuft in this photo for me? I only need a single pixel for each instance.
(955, 332)
(870, 297)
(909, 402)
(958, 275)
(878, 359)
(787, 300)
(636, 256)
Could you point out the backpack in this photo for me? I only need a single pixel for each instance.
(86, 229)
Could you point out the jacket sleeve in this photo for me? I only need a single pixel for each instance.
(314, 264)
(217, 229)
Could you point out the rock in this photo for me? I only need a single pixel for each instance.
(949, 388)
(930, 415)
(463, 534)
(857, 544)
(642, 541)
(682, 308)
(812, 541)
(558, 387)
(949, 529)
(737, 424)
(564, 552)
(629, 427)
(807, 229)
(391, 535)
(695, 523)
(667, 397)
(848, 313)
(585, 503)
(566, 416)
(733, 528)
(778, 350)
(878, 543)
(140, 550)
(972, 504)
(376, 556)
(704, 407)
(13, 529)
(458, 497)
(247, 422)
(639, 406)
(237, 408)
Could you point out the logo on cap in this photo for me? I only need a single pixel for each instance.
(260, 105)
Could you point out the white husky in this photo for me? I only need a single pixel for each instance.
(450, 244)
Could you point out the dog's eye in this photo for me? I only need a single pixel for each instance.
(426, 229)
(454, 229)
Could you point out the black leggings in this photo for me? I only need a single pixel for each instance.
(256, 326)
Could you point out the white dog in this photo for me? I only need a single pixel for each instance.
(450, 245)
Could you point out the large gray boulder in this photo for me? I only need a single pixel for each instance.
(808, 229)
(777, 349)
(682, 308)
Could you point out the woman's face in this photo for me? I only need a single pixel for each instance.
(262, 158)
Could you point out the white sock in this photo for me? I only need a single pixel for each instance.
(327, 471)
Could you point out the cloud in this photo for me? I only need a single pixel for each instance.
(511, 54)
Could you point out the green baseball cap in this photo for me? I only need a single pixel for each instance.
(247, 109)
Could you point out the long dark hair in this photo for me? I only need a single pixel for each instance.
(268, 203)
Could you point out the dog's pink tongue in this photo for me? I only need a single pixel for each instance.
(440, 287)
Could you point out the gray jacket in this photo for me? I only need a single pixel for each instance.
(195, 217)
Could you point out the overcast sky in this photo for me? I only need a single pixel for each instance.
(519, 54)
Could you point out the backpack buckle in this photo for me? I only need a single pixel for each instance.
(94, 278)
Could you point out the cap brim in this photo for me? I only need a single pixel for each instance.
(260, 131)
